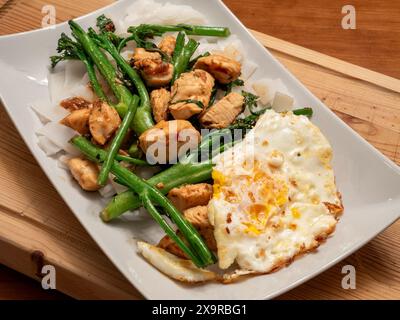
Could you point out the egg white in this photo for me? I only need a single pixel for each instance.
(271, 192)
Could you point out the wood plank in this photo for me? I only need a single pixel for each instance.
(374, 44)
(328, 62)
(33, 216)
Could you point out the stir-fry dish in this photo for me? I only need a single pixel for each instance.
(240, 179)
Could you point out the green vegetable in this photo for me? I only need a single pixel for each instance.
(149, 197)
(135, 151)
(170, 178)
(194, 168)
(116, 142)
(179, 45)
(308, 112)
(245, 123)
(213, 96)
(72, 50)
(140, 37)
(182, 57)
(234, 83)
(143, 119)
(105, 24)
(196, 102)
(151, 30)
(131, 160)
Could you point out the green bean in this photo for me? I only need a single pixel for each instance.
(116, 142)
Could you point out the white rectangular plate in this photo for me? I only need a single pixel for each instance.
(368, 181)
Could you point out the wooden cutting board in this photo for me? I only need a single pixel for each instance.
(37, 228)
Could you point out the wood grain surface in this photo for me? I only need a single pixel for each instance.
(33, 216)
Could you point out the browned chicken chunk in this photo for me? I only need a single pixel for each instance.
(198, 217)
(103, 122)
(167, 44)
(177, 135)
(159, 99)
(224, 112)
(222, 68)
(78, 120)
(155, 72)
(196, 86)
(75, 103)
(191, 195)
(169, 245)
(85, 172)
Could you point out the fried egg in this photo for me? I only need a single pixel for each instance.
(274, 194)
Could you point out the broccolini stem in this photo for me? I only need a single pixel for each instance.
(69, 49)
(98, 90)
(174, 176)
(105, 67)
(143, 119)
(149, 196)
(147, 203)
(187, 171)
(181, 61)
(179, 45)
(116, 142)
(131, 160)
(188, 29)
(308, 112)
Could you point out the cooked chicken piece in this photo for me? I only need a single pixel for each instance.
(198, 217)
(169, 245)
(167, 44)
(161, 78)
(177, 135)
(75, 103)
(103, 122)
(184, 110)
(155, 72)
(222, 68)
(195, 85)
(191, 195)
(224, 112)
(159, 103)
(78, 120)
(85, 172)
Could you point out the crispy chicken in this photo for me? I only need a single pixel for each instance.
(158, 142)
(103, 122)
(198, 217)
(159, 99)
(154, 70)
(222, 68)
(78, 120)
(224, 112)
(190, 195)
(167, 44)
(196, 86)
(85, 172)
(75, 103)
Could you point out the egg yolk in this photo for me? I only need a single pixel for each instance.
(219, 180)
(296, 213)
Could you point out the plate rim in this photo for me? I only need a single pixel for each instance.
(143, 290)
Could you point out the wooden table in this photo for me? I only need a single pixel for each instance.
(374, 44)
